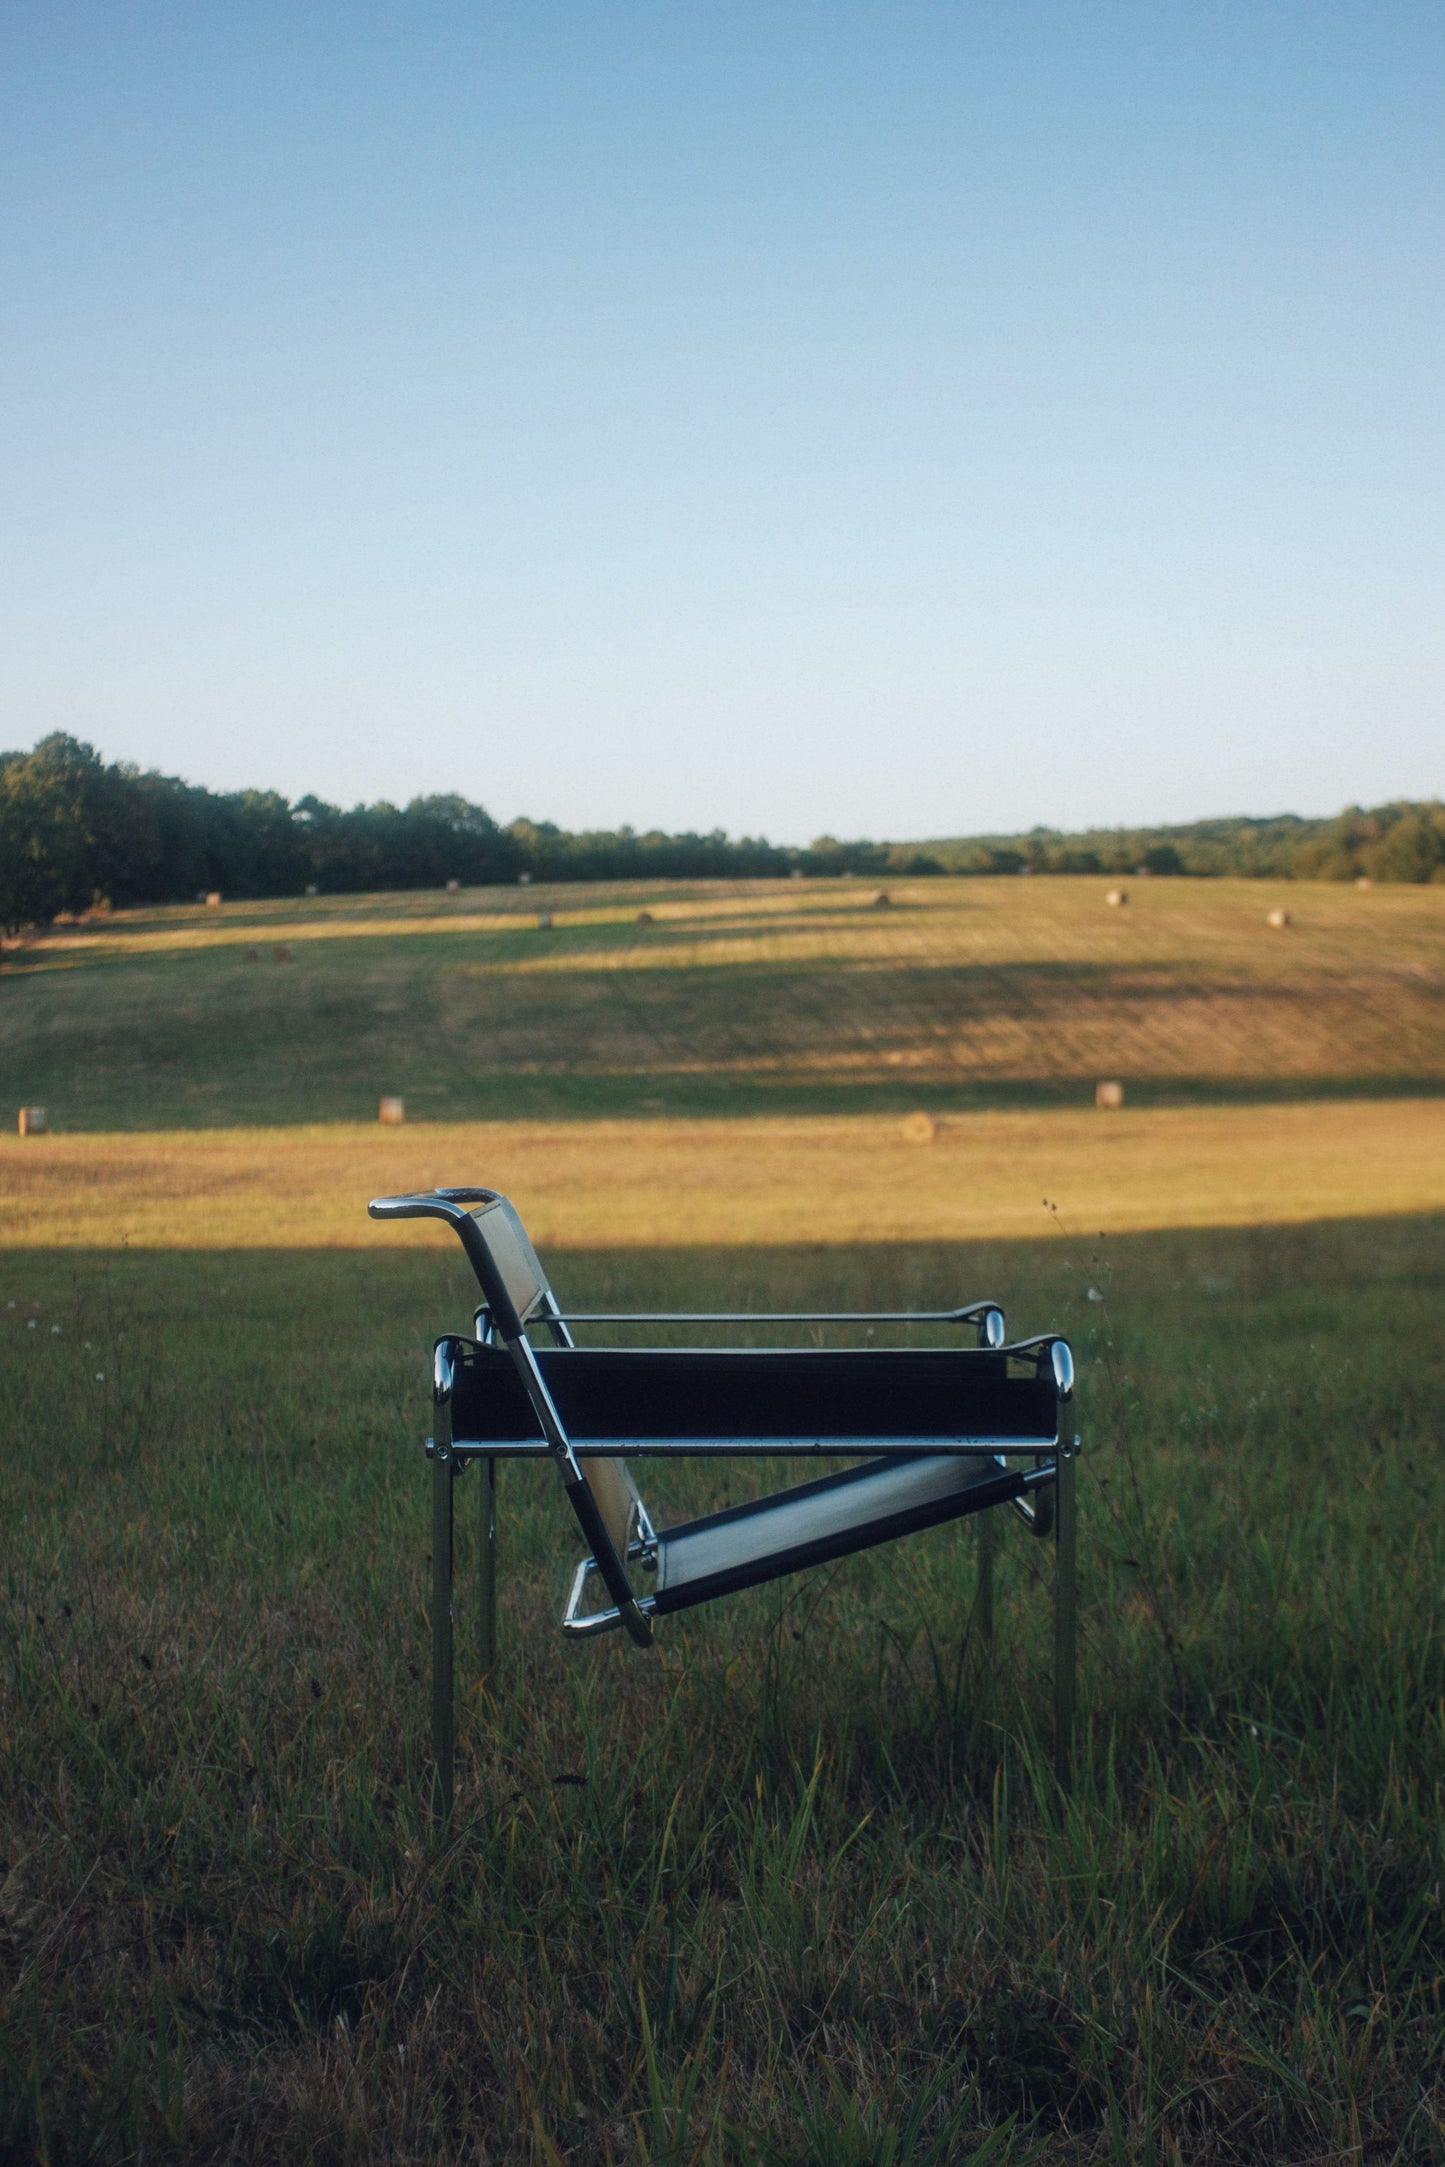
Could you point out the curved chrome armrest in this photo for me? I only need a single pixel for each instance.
(969, 1314)
(986, 1315)
(1051, 1349)
(451, 1206)
(448, 1204)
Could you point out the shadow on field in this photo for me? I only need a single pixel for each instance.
(799, 1886)
(671, 1020)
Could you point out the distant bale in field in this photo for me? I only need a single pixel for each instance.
(1278, 918)
(919, 1128)
(311, 888)
(251, 955)
(32, 1121)
(524, 880)
(1364, 881)
(644, 917)
(392, 1112)
(283, 952)
(213, 899)
(1117, 898)
(1109, 1094)
(454, 887)
(544, 921)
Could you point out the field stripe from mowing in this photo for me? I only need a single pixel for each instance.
(731, 1182)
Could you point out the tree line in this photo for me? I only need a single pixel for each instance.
(1404, 841)
(78, 833)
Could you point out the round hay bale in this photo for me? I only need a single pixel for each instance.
(1364, 882)
(644, 917)
(882, 900)
(283, 953)
(524, 880)
(213, 899)
(1278, 918)
(1109, 1094)
(919, 1128)
(454, 887)
(252, 955)
(32, 1121)
(1117, 898)
(544, 921)
(392, 1112)
(311, 888)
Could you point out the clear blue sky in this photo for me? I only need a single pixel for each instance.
(890, 419)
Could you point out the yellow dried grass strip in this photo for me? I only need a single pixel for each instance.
(666, 1182)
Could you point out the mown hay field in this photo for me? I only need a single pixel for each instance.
(799, 1887)
(784, 997)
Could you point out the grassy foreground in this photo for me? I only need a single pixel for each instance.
(714, 999)
(797, 1888)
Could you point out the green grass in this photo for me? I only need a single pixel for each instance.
(764, 997)
(796, 1888)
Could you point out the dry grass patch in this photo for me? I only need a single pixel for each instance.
(735, 1183)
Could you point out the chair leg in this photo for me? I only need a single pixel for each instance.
(487, 1570)
(1065, 1638)
(441, 1633)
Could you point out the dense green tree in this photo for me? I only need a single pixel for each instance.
(75, 832)
(58, 830)
(1412, 847)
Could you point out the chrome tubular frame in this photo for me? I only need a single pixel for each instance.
(757, 1448)
(1061, 1362)
(987, 1315)
(443, 1468)
(517, 1297)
